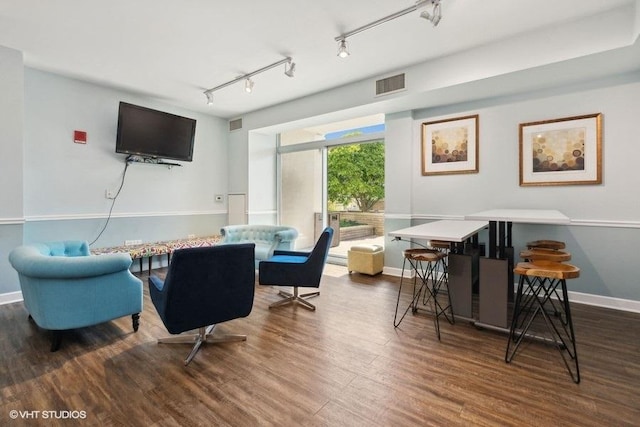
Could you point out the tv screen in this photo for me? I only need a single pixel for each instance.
(151, 133)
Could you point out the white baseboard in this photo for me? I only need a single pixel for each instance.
(605, 302)
(576, 297)
(10, 297)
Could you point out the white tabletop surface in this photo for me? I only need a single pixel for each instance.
(447, 230)
(530, 216)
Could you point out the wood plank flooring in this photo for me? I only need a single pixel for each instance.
(342, 365)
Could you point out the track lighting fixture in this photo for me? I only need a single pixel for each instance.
(436, 14)
(248, 83)
(343, 52)
(289, 71)
(434, 17)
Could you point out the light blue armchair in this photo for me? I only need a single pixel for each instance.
(267, 238)
(64, 287)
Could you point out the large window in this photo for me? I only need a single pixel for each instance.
(337, 181)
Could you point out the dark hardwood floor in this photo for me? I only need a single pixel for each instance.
(342, 365)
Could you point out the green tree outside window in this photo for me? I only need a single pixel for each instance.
(356, 173)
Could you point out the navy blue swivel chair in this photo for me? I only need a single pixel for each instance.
(204, 287)
(296, 269)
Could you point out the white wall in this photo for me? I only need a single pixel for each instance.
(262, 207)
(11, 162)
(68, 179)
(605, 218)
(497, 183)
(65, 183)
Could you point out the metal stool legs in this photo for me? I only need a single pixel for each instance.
(428, 282)
(533, 300)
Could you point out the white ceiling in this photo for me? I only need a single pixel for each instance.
(175, 49)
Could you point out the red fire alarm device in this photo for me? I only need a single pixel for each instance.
(79, 137)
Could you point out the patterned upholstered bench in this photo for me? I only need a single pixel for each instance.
(196, 242)
(149, 250)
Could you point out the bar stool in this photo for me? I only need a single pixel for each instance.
(540, 279)
(546, 254)
(440, 245)
(536, 254)
(424, 265)
(546, 244)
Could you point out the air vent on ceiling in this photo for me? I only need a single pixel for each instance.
(235, 124)
(390, 84)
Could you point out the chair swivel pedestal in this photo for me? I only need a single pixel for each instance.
(295, 297)
(296, 269)
(428, 282)
(539, 281)
(204, 335)
(204, 287)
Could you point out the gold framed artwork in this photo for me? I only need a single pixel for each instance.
(566, 151)
(450, 146)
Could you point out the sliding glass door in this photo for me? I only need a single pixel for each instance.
(337, 184)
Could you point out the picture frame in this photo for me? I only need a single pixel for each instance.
(565, 151)
(450, 146)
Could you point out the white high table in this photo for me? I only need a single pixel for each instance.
(463, 259)
(447, 230)
(496, 271)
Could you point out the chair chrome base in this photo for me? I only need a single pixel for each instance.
(204, 335)
(291, 298)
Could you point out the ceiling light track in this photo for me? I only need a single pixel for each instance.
(289, 69)
(433, 17)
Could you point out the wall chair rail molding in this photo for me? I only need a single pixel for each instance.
(74, 217)
(12, 221)
(436, 217)
(397, 216)
(605, 223)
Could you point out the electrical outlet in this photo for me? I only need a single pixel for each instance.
(110, 194)
(132, 242)
(191, 236)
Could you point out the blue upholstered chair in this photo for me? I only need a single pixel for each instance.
(297, 269)
(204, 287)
(267, 238)
(65, 287)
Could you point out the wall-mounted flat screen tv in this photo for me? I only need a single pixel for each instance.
(151, 133)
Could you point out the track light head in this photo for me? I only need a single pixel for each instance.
(292, 68)
(436, 14)
(248, 85)
(343, 52)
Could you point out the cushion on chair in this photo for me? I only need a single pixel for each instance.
(291, 259)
